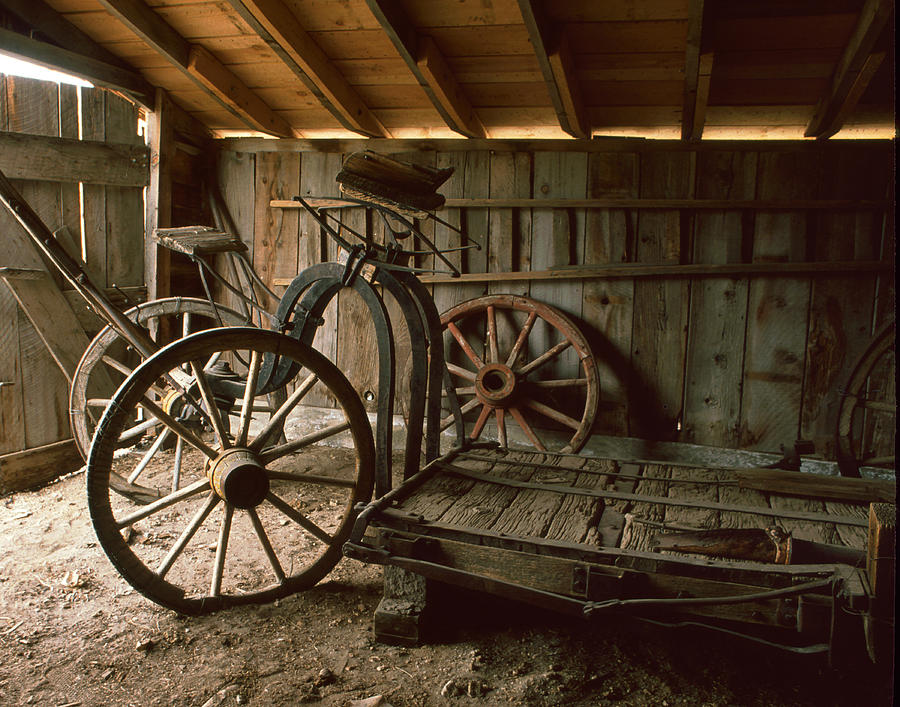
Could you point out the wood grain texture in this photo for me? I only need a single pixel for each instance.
(557, 239)
(608, 305)
(715, 352)
(661, 308)
(12, 419)
(777, 320)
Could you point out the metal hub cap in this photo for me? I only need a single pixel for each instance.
(495, 384)
(239, 478)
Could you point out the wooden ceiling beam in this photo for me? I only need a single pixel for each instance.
(555, 59)
(696, 85)
(56, 28)
(202, 67)
(429, 67)
(853, 71)
(279, 27)
(94, 70)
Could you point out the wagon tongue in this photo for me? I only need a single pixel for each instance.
(771, 545)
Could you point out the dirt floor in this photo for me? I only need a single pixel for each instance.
(72, 632)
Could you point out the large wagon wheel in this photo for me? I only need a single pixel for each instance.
(867, 414)
(506, 358)
(256, 514)
(108, 359)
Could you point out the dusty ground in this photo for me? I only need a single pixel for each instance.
(72, 632)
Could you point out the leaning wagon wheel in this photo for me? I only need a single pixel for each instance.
(507, 359)
(108, 360)
(867, 414)
(257, 513)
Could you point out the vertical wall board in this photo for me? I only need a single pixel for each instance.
(509, 229)
(317, 171)
(557, 238)
(44, 389)
(777, 314)
(608, 306)
(235, 173)
(841, 308)
(447, 295)
(661, 306)
(718, 314)
(275, 230)
(69, 197)
(124, 205)
(12, 417)
(93, 127)
(509, 234)
(477, 185)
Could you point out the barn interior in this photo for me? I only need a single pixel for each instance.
(693, 198)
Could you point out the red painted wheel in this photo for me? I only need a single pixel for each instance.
(523, 370)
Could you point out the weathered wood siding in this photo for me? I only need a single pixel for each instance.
(735, 360)
(105, 223)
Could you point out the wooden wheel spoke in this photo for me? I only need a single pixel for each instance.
(176, 465)
(117, 365)
(527, 429)
(492, 335)
(164, 502)
(276, 422)
(249, 395)
(266, 544)
(561, 383)
(178, 428)
(299, 518)
(464, 345)
(480, 422)
(462, 372)
(471, 405)
(215, 415)
(215, 586)
(501, 426)
(187, 534)
(281, 450)
(98, 402)
(149, 454)
(548, 355)
(521, 339)
(467, 390)
(553, 414)
(316, 479)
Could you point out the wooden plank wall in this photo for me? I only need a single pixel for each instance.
(745, 361)
(34, 394)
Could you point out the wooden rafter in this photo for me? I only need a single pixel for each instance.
(853, 71)
(201, 66)
(428, 65)
(558, 69)
(43, 18)
(693, 110)
(94, 70)
(276, 25)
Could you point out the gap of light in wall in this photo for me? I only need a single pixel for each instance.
(13, 66)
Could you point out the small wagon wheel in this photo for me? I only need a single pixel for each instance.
(867, 414)
(507, 358)
(257, 513)
(108, 359)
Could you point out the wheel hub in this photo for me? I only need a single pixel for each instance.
(239, 478)
(495, 384)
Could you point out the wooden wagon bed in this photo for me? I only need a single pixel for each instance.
(580, 535)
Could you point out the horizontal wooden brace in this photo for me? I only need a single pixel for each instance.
(639, 270)
(56, 159)
(699, 204)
